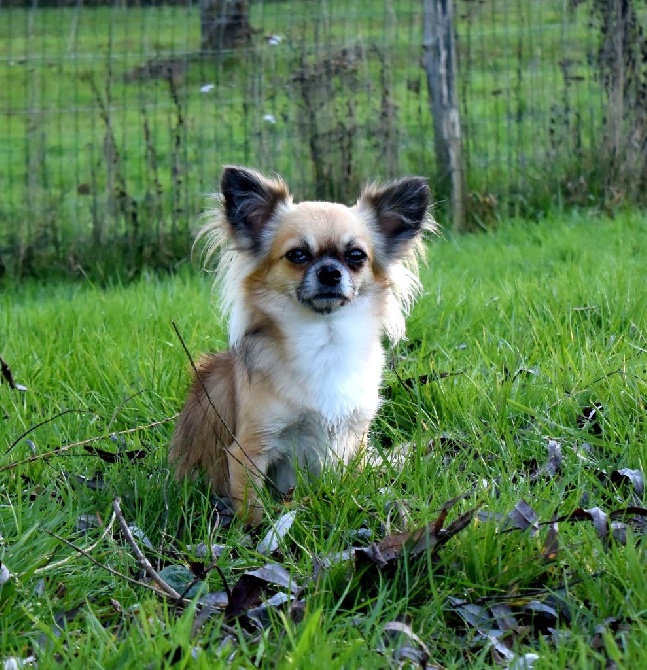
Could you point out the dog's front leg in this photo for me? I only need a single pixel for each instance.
(248, 463)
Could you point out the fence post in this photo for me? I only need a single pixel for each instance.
(224, 24)
(439, 63)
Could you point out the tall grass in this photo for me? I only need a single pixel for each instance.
(518, 331)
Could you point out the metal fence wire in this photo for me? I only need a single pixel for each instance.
(117, 117)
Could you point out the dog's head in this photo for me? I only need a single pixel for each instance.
(320, 255)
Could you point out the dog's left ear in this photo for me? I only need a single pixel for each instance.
(399, 210)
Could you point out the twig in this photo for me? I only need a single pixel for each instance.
(204, 388)
(44, 423)
(203, 573)
(143, 561)
(262, 475)
(90, 440)
(607, 375)
(87, 550)
(223, 579)
(93, 560)
(121, 405)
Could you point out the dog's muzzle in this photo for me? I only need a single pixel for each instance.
(326, 286)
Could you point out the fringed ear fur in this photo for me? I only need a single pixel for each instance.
(400, 212)
(249, 201)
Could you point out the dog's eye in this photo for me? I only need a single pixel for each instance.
(298, 256)
(356, 257)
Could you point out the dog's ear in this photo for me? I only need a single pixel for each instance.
(250, 199)
(399, 209)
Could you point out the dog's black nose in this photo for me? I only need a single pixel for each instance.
(329, 275)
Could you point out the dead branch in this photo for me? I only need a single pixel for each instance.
(139, 555)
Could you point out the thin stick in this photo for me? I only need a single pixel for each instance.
(223, 579)
(67, 447)
(204, 388)
(121, 405)
(87, 550)
(44, 423)
(93, 560)
(203, 573)
(143, 561)
(263, 476)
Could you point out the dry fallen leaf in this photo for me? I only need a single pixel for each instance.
(589, 420)
(413, 650)
(429, 538)
(522, 517)
(116, 457)
(279, 530)
(635, 477)
(5, 575)
(248, 590)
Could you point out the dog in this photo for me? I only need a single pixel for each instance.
(309, 289)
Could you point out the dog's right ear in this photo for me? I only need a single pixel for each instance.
(250, 200)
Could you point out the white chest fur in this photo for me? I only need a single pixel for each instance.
(334, 362)
(330, 380)
(324, 375)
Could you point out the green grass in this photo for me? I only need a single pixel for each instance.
(533, 322)
(528, 131)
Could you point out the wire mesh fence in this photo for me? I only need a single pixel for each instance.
(116, 117)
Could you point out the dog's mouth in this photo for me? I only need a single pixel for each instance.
(325, 303)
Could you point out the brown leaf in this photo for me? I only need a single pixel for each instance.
(373, 554)
(454, 527)
(635, 477)
(250, 587)
(7, 375)
(428, 538)
(5, 372)
(590, 418)
(522, 517)
(116, 457)
(551, 544)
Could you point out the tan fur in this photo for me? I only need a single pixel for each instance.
(299, 386)
(207, 423)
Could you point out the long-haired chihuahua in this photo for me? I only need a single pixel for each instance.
(309, 289)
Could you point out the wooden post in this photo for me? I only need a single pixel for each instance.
(439, 62)
(224, 24)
